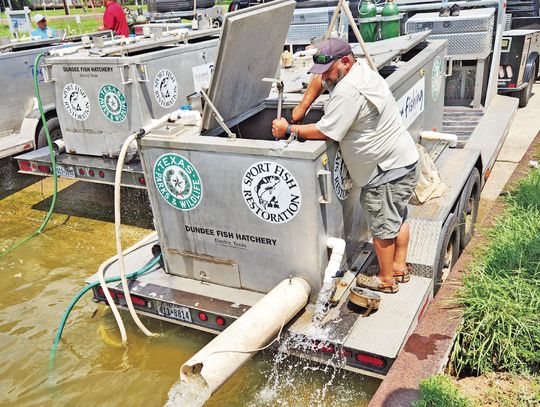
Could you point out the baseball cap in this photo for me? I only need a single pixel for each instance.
(330, 50)
(39, 17)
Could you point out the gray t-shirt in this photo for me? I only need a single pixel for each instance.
(362, 115)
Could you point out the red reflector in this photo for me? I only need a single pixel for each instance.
(203, 316)
(25, 166)
(512, 85)
(142, 181)
(100, 292)
(369, 360)
(44, 168)
(34, 166)
(327, 349)
(101, 174)
(220, 321)
(346, 353)
(91, 173)
(138, 301)
(81, 171)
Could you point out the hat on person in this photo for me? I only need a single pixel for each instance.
(39, 17)
(329, 51)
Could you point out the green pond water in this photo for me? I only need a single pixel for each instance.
(39, 279)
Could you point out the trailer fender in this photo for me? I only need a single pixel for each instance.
(447, 252)
(529, 65)
(469, 202)
(33, 127)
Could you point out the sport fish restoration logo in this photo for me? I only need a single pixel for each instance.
(341, 177)
(76, 101)
(178, 182)
(271, 192)
(165, 88)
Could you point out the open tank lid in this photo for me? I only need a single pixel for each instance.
(250, 45)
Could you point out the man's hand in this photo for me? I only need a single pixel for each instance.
(279, 127)
(101, 28)
(298, 114)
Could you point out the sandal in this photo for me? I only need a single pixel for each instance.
(404, 275)
(376, 284)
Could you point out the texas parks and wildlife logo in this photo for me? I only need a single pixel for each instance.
(271, 192)
(112, 103)
(165, 88)
(76, 101)
(178, 182)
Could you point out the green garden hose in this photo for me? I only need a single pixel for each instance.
(53, 161)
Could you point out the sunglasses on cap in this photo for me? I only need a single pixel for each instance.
(325, 59)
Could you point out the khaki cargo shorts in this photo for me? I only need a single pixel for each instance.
(385, 206)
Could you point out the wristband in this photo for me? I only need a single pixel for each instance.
(288, 131)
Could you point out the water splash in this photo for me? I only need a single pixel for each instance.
(193, 393)
(323, 302)
(319, 385)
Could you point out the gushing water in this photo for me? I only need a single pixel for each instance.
(193, 393)
(323, 302)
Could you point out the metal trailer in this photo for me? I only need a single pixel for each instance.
(518, 69)
(235, 216)
(108, 92)
(21, 128)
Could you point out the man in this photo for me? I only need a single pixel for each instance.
(381, 156)
(43, 31)
(114, 19)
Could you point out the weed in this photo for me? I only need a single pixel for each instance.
(439, 391)
(501, 292)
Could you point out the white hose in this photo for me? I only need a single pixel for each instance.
(118, 217)
(103, 284)
(118, 232)
(452, 139)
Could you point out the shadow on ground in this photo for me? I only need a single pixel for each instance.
(96, 201)
(10, 180)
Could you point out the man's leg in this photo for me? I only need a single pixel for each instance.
(402, 244)
(385, 250)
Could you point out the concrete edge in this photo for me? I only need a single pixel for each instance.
(427, 350)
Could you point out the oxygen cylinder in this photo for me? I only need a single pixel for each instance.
(368, 21)
(390, 25)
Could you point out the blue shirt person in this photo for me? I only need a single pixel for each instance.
(43, 31)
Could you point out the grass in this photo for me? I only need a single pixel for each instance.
(439, 391)
(501, 292)
(89, 22)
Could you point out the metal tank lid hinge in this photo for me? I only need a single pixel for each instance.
(218, 117)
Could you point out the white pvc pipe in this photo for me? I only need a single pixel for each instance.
(226, 353)
(338, 249)
(452, 139)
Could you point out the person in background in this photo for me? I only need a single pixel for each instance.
(43, 31)
(114, 19)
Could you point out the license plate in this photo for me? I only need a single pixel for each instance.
(65, 171)
(173, 311)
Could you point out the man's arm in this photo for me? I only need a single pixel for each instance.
(313, 91)
(304, 131)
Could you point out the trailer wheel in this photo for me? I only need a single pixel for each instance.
(468, 209)
(54, 131)
(447, 252)
(525, 93)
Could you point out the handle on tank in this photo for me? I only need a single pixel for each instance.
(325, 181)
(143, 73)
(123, 68)
(449, 65)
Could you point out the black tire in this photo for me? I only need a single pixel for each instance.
(525, 93)
(164, 6)
(468, 209)
(447, 252)
(54, 131)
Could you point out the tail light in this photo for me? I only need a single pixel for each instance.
(25, 165)
(136, 300)
(91, 173)
(101, 174)
(102, 294)
(220, 321)
(202, 316)
(370, 359)
(82, 171)
(142, 181)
